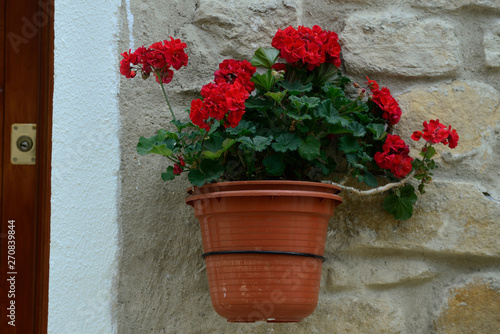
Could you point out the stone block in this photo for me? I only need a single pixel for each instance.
(239, 29)
(399, 44)
(450, 218)
(471, 308)
(491, 44)
(457, 4)
(382, 272)
(365, 313)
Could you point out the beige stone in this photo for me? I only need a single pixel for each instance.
(492, 46)
(471, 308)
(356, 272)
(472, 108)
(450, 218)
(238, 30)
(399, 44)
(364, 313)
(457, 4)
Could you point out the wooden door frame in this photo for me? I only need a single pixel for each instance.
(43, 39)
(44, 157)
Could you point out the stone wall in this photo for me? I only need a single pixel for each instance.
(438, 272)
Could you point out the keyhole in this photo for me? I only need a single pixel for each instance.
(24, 143)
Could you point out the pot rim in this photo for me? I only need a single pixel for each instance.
(320, 184)
(219, 190)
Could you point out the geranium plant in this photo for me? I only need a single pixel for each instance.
(288, 114)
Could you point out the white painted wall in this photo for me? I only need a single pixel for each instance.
(85, 167)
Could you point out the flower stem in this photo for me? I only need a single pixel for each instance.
(166, 98)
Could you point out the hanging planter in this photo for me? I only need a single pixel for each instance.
(289, 114)
(264, 244)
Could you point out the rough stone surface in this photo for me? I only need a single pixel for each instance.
(458, 4)
(351, 272)
(441, 223)
(363, 313)
(492, 46)
(471, 308)
(400, 44)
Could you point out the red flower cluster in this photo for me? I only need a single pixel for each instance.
(435, 132)
(158, 58)
(312, 47)
(178, 166)
(224, 99)
(383, 98)
(395, 156)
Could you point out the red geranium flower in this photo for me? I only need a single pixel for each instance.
(383, 98)
(434, 132)
(198, 114)
(279, 67)
(395, 156)
(453, 138)
(157, 58)
(306, 46)
(224, 99)
(177, 169)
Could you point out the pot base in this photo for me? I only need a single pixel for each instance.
(263, 287)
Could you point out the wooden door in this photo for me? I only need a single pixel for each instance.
(26, 48)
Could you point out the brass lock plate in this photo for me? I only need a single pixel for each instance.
(23, 144)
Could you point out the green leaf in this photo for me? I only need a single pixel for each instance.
(322, 167)
(365, 118)
(244, 128)
(357, 129)
(257, 143)
(169, 174)
(377, 129)
(295, 114)
(210, 170)
(286, 142)
(224, 146)
(157, 144)
(213, 128)
(180, 125)
(401, 206)
(274, 164)
(429, 153)
(370, 179)
(330, 114)
(337, 129)
(304, 101)
(265, 81)
(265, 57)
(278, 97)
(349, 144)
(353, 159)
(254, 103)
(323, 73)
(296, 87)
(213, 143)
(309, 149)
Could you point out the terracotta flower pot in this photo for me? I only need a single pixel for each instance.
(264, 244)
